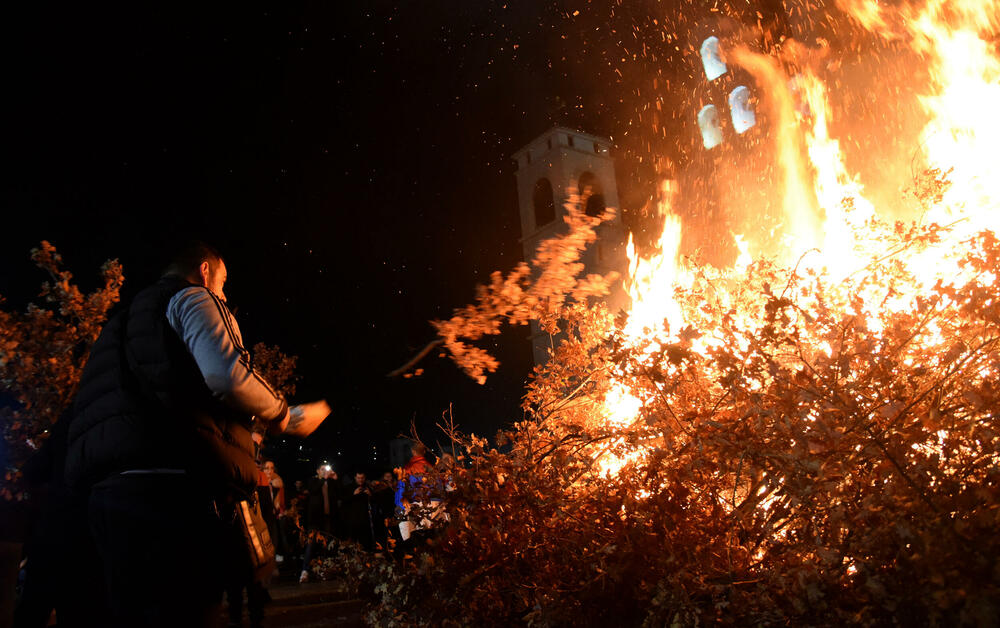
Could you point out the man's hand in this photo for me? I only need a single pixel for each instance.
(305, 418)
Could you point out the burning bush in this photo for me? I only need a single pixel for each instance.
(802, 450)
(807, 437)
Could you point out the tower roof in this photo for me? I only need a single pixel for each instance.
(557, 130)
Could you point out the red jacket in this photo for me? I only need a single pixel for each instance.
(417, 465)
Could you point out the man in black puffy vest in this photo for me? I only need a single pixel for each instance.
(162, 438)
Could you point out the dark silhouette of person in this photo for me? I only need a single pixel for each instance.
(161, 436)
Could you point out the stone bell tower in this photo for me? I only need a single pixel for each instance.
(549, 168)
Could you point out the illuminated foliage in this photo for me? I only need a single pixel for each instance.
(523, 296)
(801, 454)
(42, 353)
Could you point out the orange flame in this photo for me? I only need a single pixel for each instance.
(824, 207)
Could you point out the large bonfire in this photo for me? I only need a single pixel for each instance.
(807, 436)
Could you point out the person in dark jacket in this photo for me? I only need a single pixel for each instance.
(359, 519)
(322, 514)
(383, 500)
(161, 436)
(323, 503)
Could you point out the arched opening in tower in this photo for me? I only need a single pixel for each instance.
(589, 188)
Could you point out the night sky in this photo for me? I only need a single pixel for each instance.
(350, 159)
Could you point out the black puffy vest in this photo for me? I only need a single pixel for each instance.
(143, 404)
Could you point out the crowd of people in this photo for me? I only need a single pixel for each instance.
(325, 507)
(311, 516)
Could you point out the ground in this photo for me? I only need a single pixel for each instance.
(311, 604)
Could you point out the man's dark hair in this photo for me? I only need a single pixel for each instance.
(188, 259)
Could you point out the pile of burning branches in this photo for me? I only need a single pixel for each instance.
(802, 450)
